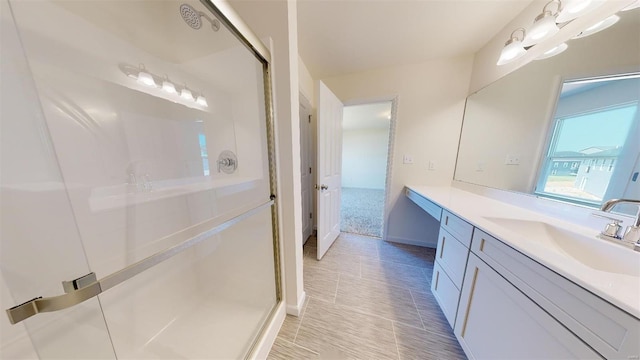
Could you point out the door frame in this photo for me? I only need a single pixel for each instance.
(390, 150)
(305, 106)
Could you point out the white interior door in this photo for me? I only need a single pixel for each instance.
(305, 171)
(329, 168)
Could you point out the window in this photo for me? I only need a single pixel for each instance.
(581, 136)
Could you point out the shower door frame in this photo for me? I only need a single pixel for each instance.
(225, 13)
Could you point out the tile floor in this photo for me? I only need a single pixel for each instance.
(367, 299)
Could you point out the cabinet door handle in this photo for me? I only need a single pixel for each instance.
(442, 247)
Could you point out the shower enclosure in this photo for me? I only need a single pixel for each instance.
(137, 182)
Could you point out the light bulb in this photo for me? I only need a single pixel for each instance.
(202, 100)
(512, 50)
(572, 9)
(599, 26)
(543, 28)
(146, 79)
(553, 51)
(169, 87)
(186, 94)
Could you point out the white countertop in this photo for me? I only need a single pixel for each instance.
(622, 290)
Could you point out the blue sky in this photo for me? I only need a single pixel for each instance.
(607, 128)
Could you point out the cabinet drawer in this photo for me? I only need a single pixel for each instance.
(452, 256)
(445, 292)
(426, 205)
(607, 329)
(457, 227)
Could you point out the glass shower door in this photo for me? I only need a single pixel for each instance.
(39, 241)
(155, 114)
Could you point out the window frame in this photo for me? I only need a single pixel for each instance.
(545, 168)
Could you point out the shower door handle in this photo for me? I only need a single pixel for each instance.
(87, 287)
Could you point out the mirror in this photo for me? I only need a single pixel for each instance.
(564, 127)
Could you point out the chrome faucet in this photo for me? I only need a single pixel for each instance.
(632, 233)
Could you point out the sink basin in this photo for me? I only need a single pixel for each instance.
(593, 252)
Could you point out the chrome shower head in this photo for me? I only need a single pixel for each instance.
(194, 17)
(190, 16)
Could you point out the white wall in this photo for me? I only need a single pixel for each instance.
(431, 98)
(364, 158)
(306, 82)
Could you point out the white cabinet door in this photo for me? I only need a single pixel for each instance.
(497, 321)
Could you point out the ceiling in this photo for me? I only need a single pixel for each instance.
(367, 116)
(337, 37)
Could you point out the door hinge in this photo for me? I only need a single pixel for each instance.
(310, 215)
(309, 118)
(309, 170)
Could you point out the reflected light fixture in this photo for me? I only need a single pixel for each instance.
(633, 5)
(186, 94)
(201, 100)
(145, 78)
(599, 26)
(572, 9)
(513, 48)
(544, 26)
(553, 51)
(168, 86)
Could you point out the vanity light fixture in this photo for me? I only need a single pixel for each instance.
(168, 86)
(513, 48)
(572, 9)
(553, 51)
(599, 26)
(544, 26)
(201, 100)
(186, 94)
(145, 78)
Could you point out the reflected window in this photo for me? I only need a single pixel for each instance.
(202, 140)
(589, 138)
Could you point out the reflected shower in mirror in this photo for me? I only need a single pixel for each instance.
(547, 128)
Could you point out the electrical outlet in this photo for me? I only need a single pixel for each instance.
(512, 160)
(432, 165)
(407, 159)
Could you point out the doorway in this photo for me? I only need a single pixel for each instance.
(365, 157)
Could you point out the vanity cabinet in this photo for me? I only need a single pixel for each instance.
(502, 304)
(611, 332)
(451, 259)
(497, 321)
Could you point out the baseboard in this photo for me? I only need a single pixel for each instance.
(263, 347)
(296, 310)
(429, 244)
